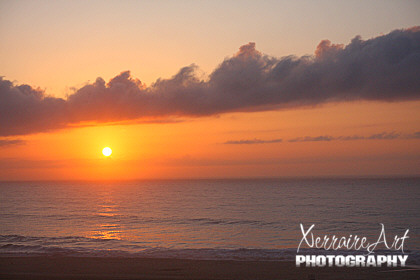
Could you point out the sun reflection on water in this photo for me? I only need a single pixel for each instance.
(108, 225)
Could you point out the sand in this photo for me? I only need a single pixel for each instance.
(143, 268)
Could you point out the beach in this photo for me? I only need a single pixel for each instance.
(57, 267)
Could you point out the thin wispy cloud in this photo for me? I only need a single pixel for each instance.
(415, 135)
(377, 136)
(9, 142)
(327, 138)
(312, 139)
(253, 141)
(385, 68)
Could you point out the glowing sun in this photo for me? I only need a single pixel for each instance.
(107, 151)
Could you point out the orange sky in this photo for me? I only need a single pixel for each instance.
(194, 148)
(61, 46)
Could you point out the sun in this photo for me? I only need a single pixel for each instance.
(106, 151)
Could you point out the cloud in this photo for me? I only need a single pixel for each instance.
(8, 142)
(327, 138)
(253, 141)
(378, 136)
(25, 110)
(312, 139)
(385, 135)
(415, 135)
(383, 68)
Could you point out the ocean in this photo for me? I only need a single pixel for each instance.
(241, 219)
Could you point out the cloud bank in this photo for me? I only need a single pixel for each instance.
(384, 68)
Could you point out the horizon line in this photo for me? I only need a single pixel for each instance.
(325, 177)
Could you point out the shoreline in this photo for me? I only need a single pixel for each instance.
(59, 267)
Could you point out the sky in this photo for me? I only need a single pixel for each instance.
(209, 89)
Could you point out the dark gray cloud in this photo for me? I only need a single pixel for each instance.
(25, 110)
(385, 68)
(253, 141)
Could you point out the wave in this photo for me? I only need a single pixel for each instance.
(76, 246)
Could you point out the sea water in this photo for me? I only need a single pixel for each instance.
(202, 219)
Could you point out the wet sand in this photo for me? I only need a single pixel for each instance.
(144, 268)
